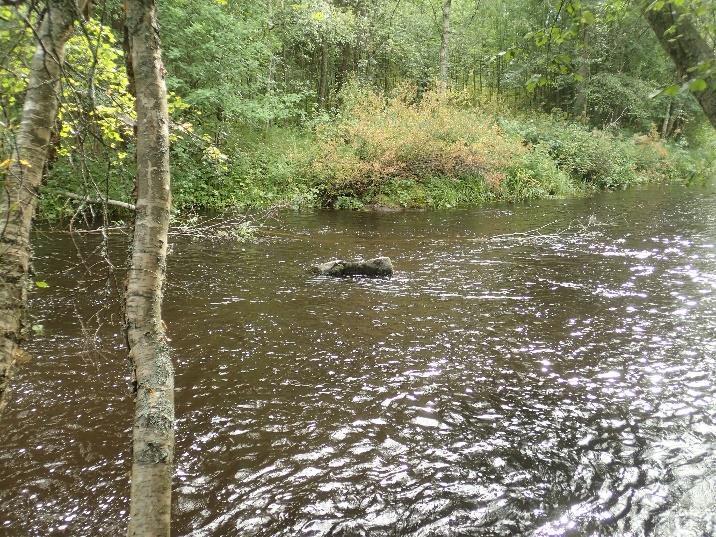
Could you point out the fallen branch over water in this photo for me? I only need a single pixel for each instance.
(97, 201)
(575, 230)
(239, 228)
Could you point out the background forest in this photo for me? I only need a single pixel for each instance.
(359, 102)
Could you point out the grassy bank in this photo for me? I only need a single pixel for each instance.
(436, 151)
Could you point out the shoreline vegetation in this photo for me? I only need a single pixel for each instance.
(406, 150)
(372, 106)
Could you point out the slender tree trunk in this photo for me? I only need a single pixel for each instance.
(153, 432)
(346, 49)
(688, 50)
(347, 66)
(272, 59)
(580, 98)
(445, 44)
(666, 122)
(481, 77)
(673, 118)
(323, 77)
(18, 198)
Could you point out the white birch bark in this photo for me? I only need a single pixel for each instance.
(153, 431)
(18, 198)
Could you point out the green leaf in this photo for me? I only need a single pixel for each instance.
(672, 90)
(669, 91)
(38, 328)
(42, 285)
(698, 84)
(588, 17)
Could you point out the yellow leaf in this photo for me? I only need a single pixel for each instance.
(8, 162)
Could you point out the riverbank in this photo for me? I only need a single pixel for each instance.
(439, 151)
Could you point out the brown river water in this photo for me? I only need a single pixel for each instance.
(537, 370)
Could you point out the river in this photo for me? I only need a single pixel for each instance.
(543, 369)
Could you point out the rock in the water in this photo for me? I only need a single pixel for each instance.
(371, 268)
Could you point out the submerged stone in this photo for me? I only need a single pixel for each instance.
(380, 267)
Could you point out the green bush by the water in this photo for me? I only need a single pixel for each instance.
(432, 150)
(258, 169)
(598, 158)
(440, 152)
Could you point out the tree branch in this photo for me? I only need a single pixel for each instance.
(98, 201)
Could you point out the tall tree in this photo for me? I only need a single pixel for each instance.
(581, 87)
(445, 44)
(323, 75)
(690, 52)
(153, 372)
(23, 179)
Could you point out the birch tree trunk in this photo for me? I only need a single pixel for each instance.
(688, 50)
(18, 198)
(272, 59)
(445, 45)
(153, 431)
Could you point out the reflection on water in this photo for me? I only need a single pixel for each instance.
(530, 370)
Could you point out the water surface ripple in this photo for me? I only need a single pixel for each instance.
(535, 370)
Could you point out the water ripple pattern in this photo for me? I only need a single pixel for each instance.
(539, 370)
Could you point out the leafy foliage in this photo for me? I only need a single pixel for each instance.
(597, 158)
(297, 103)
(432, 152)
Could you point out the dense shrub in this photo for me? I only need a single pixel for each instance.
(262, 169)
(536, 175)
(597, 158)
(433, 152)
